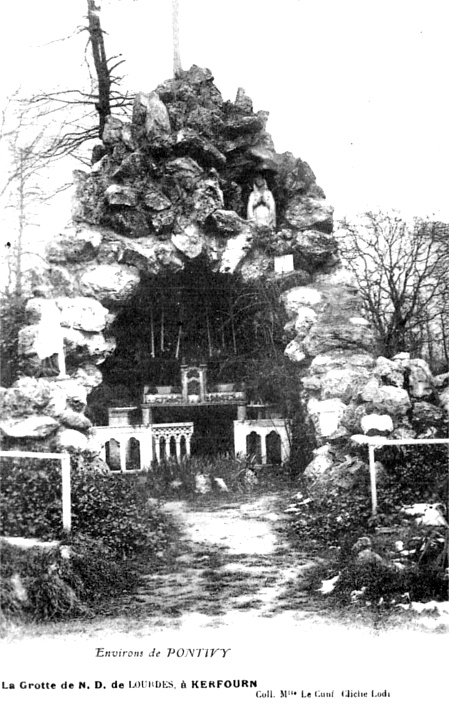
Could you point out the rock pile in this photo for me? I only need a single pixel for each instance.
(171, 186)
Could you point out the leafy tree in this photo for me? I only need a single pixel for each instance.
(401, 272)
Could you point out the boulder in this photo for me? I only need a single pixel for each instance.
(151, 113)
(322, 462)
(110, 283)
(227, 222)
(88, 376)
(207, 198)
(71, 440)
(304, 320)
(74, 246)
(377, 424)
(112, 131)
(296, 298)
(295, 352)
(444, 399)
(81, 346)
(312, 384)
(314, 249)
(203, 484)
(325, 336)
(200, 148)
(404, 432)
(420, 379)
(134, 167)
(75, 393)
(235, 251)
(29, 395)
(389, 372)
(242, 101)
(34, 427)
(386, 399)
(155, 200)
(305, 212)
(150, 256)
(121, 195)
(326, 415)
(185, 172)
(82, 313)
(441, 381)
(341, 359)
(75, 420)
(343, 383)
(240, 124)
(188, 239)
(352, 417)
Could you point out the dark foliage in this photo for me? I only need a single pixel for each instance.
(110, 508)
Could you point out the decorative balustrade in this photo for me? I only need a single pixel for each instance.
(225, 398)
(182, 400)
(126, 448)
(163, 399)
(166, 435)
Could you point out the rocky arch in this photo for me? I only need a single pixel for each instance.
(167, 190)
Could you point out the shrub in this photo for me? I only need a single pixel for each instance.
(110, 508)
(30, 498)
(60, 582)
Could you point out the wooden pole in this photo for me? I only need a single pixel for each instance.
(178, 344)
(175, 27)
(209, 339)
(162, 330)
(372, 475)
(66, 494)
(153, 353)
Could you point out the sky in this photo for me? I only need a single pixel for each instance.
(356, 88)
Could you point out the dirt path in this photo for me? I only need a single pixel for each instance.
(234, 556)
(233, 568)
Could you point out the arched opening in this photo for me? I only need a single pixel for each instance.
(196, 316)
(162, 448)
(254, 446)
(183, 447)
(113, 455)
(133, 455)
(208, 322)
(274, 448)
(172, 448)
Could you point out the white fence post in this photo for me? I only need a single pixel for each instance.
(66, 494)
(372, 476)
(377, 442)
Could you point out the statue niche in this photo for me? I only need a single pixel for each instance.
(261, 205)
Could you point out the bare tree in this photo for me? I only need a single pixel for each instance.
(401, 272)
(22, 193)
(81, 115)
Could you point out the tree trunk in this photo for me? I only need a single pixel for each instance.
(103, 104)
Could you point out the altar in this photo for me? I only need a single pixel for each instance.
(132, 440)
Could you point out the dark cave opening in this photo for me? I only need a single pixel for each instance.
(195, 317)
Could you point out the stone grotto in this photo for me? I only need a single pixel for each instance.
(160, 291)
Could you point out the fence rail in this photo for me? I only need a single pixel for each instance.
(377, 442)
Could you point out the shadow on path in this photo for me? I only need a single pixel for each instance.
(233, 555)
